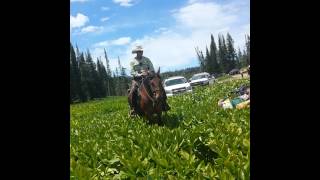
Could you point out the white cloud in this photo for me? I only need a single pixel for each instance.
(174, 47)
(104, 19)
(90, 29)
(79, 0)
(126, 3)
(168, 49)
(204, 16)
(117, 42)
(78, 21)
(122, 41)
(104, 8)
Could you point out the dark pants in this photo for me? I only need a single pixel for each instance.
(133, 94)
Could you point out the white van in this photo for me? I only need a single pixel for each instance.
(176, 85)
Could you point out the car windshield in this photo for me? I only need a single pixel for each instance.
(175, 81)
(198, 77)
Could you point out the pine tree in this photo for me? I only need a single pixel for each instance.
(78, 53)
(231, 53)
(107, 63)
(248, 49)
(201, 59)
(84, 77)
(93, 84)
(239, 58)
(116, 82)
(113, 84)
(73, 94)
(222, 54)
(207, 62)
(108, 78)
(213, 56)
(121, 68)
(102, 76)
(244, 58)
(75, 87)
(122, 79)
(119, 78)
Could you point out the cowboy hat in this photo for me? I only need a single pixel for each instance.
(137, 48)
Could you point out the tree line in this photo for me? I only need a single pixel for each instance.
(90, 80)
(224, 57)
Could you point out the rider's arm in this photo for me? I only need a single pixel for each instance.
(150, 65)
(133, 72)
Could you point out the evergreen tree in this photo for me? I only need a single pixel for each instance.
(108, 78)
(84, 77)
(244, 59)
(77, 75)
(222, 54)
(207, 62)
(122, 79)
(201, 59)
(248, 49)
(213, 56)
(102, 76)
(231, 53)
(107, 63)
(116, 82)
(239, 58)
(93, 84)
(121, 68)
(113, 84)
(73, 94)
(78, 54)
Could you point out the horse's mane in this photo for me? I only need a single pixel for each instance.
(146, 84)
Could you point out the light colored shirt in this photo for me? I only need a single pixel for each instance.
(137, 66)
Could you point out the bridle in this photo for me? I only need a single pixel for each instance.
(153, 92)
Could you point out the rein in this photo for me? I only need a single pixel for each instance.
(150, 90)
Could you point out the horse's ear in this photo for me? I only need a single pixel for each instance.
(158, 71)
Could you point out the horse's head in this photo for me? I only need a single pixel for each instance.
(156, 85)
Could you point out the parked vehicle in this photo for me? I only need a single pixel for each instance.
(234, 72)
(200, 79)
(176, 85)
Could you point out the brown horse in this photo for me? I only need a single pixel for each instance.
(150, 96)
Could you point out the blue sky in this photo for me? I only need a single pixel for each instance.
(168, 30)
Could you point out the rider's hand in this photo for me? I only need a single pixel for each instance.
(144, 73)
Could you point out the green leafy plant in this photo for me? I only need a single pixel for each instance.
(198, 140)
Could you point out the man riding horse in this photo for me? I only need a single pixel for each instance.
(140, 66)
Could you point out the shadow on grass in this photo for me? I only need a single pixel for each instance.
(203, 152)
(170, 120)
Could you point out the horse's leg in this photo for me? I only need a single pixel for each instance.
(149, 118)
(159, 118)
(132, 98)
(130, 104)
